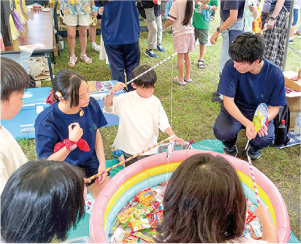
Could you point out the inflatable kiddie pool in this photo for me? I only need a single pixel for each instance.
(153, 170)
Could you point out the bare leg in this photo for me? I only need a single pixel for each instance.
(92, 33)
(202, 51)
(181, 67)
(95, 189)
(187, 65)
(71, 30)
(83, 39)
(292, 31)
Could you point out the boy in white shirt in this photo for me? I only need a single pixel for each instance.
(141, 115)
(14, 80)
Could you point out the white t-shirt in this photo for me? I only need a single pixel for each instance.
(177, 14)
(139, 122)
(11, 156)
(249, 15)
(247, 240)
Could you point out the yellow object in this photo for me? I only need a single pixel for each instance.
(52, 2)
(14, 31)
(24, 6)
(18, 8)
(257, 23)
(93, 21)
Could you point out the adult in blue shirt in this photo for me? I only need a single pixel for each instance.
(246, 81)
(232, 25)
(120, 32)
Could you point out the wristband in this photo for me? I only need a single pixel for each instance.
(95, 9)
(273, 18)
(72, 145)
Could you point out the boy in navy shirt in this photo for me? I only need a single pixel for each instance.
(246, 81)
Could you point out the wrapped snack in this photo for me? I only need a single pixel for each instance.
(137, 225)
(165, 183)
(128, 238)
(140, 211)
(130, 204)
(152, 233)
(143, 237)
(247, 231)
(159, 214)
(153, 219)
(250, 205)
(125, 217)
(250, 216)
(145, 197)
(257, 229)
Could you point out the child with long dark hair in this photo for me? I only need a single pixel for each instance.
(180, 17)
(69, 129)
(41, 201)
(204, 202)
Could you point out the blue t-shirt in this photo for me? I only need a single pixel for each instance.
(120, 23)
(249, 90)
(51, 127)
(227, 5)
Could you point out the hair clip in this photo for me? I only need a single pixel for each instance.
(58, 94)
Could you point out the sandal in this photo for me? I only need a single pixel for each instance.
(176, 79)
(72, 61)
(190, 80)
(201, 64)
(86, 59)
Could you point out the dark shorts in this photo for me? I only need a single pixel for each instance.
(91, 169)
(202, 35)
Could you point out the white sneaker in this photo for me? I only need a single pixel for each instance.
(96, 48)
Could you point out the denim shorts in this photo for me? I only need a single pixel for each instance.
(295, 16)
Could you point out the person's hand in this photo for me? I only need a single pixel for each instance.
(119, 86)
(214, 37)
(178, 140)
(204, 6)
(75, 132)
(165, 27)
(100, 179)
(263, 131)
(294, 78)
(250, 131)
(262, 212)
(94, 14)
(270, 24)
(87, 180)
(252, 9)
(100, 10)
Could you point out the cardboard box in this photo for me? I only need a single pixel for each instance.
(293, 99)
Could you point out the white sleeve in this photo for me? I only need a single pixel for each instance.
(113, 109)
(3, 176)
(163, 120)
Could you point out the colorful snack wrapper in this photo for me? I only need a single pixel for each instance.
(140, 211)
(128, 238)
(250, 205)
(250, 216)
(143, 237)
(165, 183)
(125, 217)
(137, 225)
(145, 197)
(114, 227)
(153, 219)
(257, 229)
(247, 231)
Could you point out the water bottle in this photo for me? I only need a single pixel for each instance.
(2, 47)
(297, 128)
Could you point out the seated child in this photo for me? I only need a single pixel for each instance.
(68, 130)
(14, 80)
(41, 201)
(141, 115)
(204, 202)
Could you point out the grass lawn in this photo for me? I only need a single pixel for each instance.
(191, 112)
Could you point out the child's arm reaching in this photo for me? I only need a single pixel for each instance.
(109, 99)
(175, 138)
(269, 232)
(167, 24)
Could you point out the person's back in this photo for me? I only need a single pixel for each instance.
(204, 202)
(14, 80)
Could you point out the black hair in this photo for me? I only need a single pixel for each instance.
(247, 47)
(13, 78)
(203, 202)
(147, 80)
(41, 201)
(67, 82)
(188, 12)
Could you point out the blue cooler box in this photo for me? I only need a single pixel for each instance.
(22, 125)
(98, 90)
